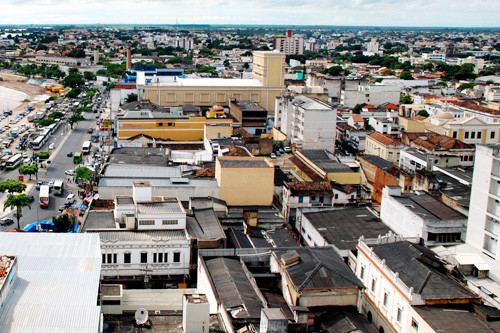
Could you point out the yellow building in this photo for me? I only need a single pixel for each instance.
(245, 181)
(383, 145)
(267, 84)
(412, 125)
(168, 126)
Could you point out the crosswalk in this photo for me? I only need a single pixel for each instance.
(47, 180)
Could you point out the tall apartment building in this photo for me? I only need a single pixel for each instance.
(483, 229)
(290, 44)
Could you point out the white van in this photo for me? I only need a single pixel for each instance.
(70, 199)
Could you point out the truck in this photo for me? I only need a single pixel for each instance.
(30, 108)
(40, 115)
(31, 117)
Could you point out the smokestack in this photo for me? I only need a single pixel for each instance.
(289, 33)
(96, 56)
(129, 58)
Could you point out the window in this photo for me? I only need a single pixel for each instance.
(479, 135)
(165, 222)
(301, 199)
(146, 222)
(472, 135)
(400, 315)
(109, 258)
(374, 284)
(455, 134)
(144, 258)
(492, 135)
(165, 257)
(160, 124)
(177, 257)
(362, 274)
(157, 257)
(386, 299)
(466, 135)
(126, 258)
(170, 124)
(414, 324)
(111, 302)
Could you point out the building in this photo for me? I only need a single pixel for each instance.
(309, 122)
(413, 159)
(421, 215)
(399, 278)
(250, 114)
(384, 125)
(472, 131)
(483, 229)
(268, 82)
(143, 237)
(61, 61)
(290, 43)
(49, 282)
(153, 74)
(300, 194)
(371, 94)
(384, 146)
(245, 181)
(173, 126)
(434, 56)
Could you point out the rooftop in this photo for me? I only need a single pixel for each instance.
(385, 139)
(247, 163)
(431, 141)
(344, 227)
(420, 268)
(204, 225)
(140, 235)
(208, 82)
(144, 171)
(303, 188)
(98, 219)
(168, 206)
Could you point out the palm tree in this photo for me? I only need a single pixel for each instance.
(17, 202)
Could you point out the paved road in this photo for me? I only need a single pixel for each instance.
(60, 162)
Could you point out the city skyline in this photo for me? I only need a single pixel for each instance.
(461, 13)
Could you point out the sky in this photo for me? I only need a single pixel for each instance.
(416, 13)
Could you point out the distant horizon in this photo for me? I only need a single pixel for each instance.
(337, 13)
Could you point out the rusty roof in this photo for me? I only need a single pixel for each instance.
(473, 106)
(205, 173)
(303, 188)
(385, 139)
(431, 141)
(345, 126)
(419, 118)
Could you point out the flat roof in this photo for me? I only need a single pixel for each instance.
(243, 163)
(140, 235)
(99, 219)
(344, 227)
(428, 207)
(164, 207)
(57, 285)
(208, 82)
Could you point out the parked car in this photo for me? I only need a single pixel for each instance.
(70, 199)
(69, 154)
(38, 184)
(6, 221)
(288, 150)
(51, 184)
(273, 156)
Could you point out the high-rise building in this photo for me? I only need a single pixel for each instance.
(290, 44)
(483, 228)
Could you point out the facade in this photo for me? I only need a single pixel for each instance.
(421, 215)
(245, 181)
(252, 116)
(268, 82)
(306, 194)
(385, 146)
(397, 282)
(290, 44)
(384, 125)
(414, 159)
(307, 120)
(61, 61)
(473, 131)
(165, 126)
(372, 94)
(483, 229)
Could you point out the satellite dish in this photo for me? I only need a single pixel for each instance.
(141, 316)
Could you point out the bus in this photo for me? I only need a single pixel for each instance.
(44, 195)
(58, 187)
(41, 139)
(14, 132)
(86, 147)
(77, 158)
(14, 161)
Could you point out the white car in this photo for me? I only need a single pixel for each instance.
(52, 146)
(69, 172)
(51, 184)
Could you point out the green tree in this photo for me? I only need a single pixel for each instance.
(28, 170)
(17, 202)
(89, 76)
(43, 155)
(467, 85)
(423, 113)
(131, 98)
(75, 118)
(227, 63)
(333, 71)
(406, 76)
(12, 186)
(46, 122)
(56, 115)
(62, 223)
(405, 99)
(73, 80)
(83, 173)
(84, 109)
(357, 109)
(74, 93)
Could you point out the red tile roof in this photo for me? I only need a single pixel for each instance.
(419, 118)
(476, 107)
(357, 118)
(391, 106)
(345, 126)
(433, 141)
(321, 188)
(385, 139)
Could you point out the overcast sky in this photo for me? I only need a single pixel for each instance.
(443, 13)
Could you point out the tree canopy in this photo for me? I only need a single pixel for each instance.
(28, 170)
(83, 173)
(17, 202)
(12, 186)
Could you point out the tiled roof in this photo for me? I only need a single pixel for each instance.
(476, 107)
(357, 118)
(432, 141)
(345, 126)
(385, 139)
(419, 118)
(321, 188)
(141, 235)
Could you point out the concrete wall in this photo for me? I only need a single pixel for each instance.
(183, 193)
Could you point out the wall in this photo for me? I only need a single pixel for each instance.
(310, 234)
(345, 177)
(388, 153)
(245, 186)
(158, 218)
(183, 193)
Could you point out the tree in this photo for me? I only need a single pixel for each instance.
(423, 113)
(227, 63)
(131, 98)
(89, 76)
(73, 80)
(467, 85)
(76, 118)
(17, 202)
(62, 223)
(83, 173)
(74, 93)
(12, 185)
(357, 109)
(406, 76)
(43, 155)
(45, 122)
(56, 115)
(28, 170)
(333, 71)
(405, 99)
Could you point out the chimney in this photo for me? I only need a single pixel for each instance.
(129, 58)
(289, 33)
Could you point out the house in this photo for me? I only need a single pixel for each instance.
(356, 121)
(473, 131)
(413, 159)
(421, 215)
(245, 181)
(384, 125)
(384, 146)
(299, 194)
(401, 276)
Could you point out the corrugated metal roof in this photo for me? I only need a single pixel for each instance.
(133, 170)
(142, 235)
(173, 206)
(128, 182)
(57, 285)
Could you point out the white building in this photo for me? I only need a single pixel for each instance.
(384, 125)
(372, 94)
(401, 275)
(290, 44)
(434, 56)
(421, 215)
(483, 228)
(309, 121)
